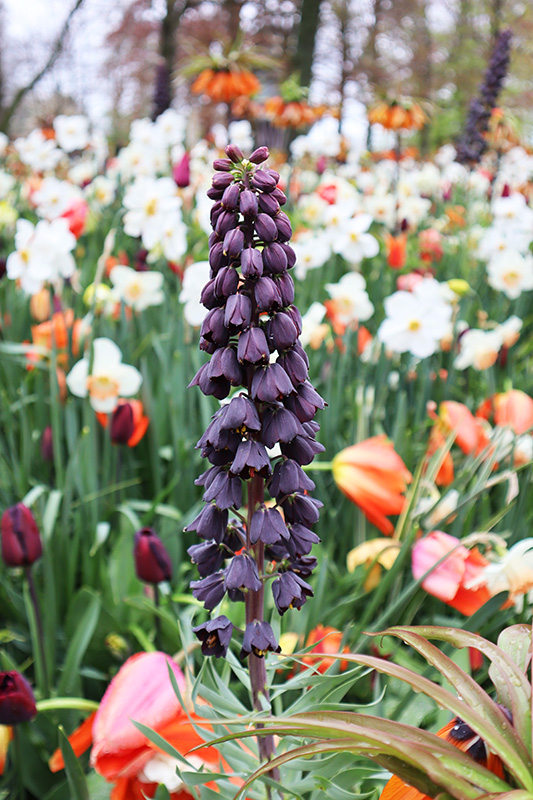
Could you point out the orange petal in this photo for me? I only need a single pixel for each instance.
(6, 734)
(80, 741)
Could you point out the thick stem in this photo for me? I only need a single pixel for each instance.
(40, 630)
(255, 611)
(157, 618)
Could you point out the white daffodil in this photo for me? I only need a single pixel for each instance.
(351, 301)
(38, 152)
(510, 330)
(478, 349)
(138, 290)
(108, 380)
(149, 202)
(415, 323)
(72, 132)
(312, 251)
(353, 242)
(54, 197)
(312, 324)
(194, 280)
(511, 273)
(43, 253)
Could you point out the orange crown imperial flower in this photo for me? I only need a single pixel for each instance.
(374, 477)
(398, 115)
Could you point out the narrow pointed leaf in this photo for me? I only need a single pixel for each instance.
(75, 777)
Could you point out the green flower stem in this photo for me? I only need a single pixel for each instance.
(39, 628)
(61, 703)
(318, 466)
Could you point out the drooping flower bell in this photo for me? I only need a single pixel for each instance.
(21, 540)
(252, 334)
(17, 703)
(152, 561)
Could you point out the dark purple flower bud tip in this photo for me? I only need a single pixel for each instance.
(17, 703)
(259, 639)
(234, 153)
(215, 636)
(259, 155)
(152, 561)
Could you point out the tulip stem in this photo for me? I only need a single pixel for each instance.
(39, 628)
(60, 703)
(157, 619)
(318, 466)
(21, 794)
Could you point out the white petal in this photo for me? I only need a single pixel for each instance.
(77, 378)
(107, 357)
(104, 405)
(129, 380)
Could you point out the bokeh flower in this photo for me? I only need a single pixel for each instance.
(107, 380)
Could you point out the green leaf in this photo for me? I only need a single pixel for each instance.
(79, 643)
(76, 778)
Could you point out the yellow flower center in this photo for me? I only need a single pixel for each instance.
(134, 291)
(414, 325)
(24, 256)
(151, 207)
(510, 278)
(102, 386)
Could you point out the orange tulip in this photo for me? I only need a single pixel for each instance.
(328, 641)
(436, 442)
(469, 433)
(123, 755)
(6, 734)
(396, 250)
(449, 581)
(513, 409)
(373, 476)
(461, 736)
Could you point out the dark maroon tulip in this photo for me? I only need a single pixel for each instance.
(181, 172)
(21, 540)
(122, 424)
(152, 562)
(17, 703)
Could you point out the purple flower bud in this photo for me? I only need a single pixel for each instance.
(222, 181)
(305, 402)
(238, 313)
(225, 222)
(274, 257)
(248, 205)
(266, 294)
(222, 164)
(273, 174)
(208, 557)
(233, 243)
(267, 526)
(242, 574)
(288, 478)
(289, 252)
(17, 703)
(264, 182)
(230, 198)
(251, 458)
(283, 224)
(251, 263)
(301, 508)
(303, 566)
(215, 636)
(217, 259)
(280, 196)
(210, 590)
(285, 284)
(259, 639)
(268, 204)
(241, 415)
(266, 228)
(281, 331)
(234, 153)
(259, 155)
(215, 194)
(21, 540)
(214, 238)
(225, 489)
(213, 328)
(47, 444)
(252, 346)
(270, 383)
(211, 523)
(152, 562)
(290, 591)
(279, 425)
(296, 317)
(225, 283)
(301, 540)
(294, 365)
(224, 364)
(302, 449)
(206, 346)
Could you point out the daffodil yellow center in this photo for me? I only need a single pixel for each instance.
(510, 278)
(24, 256)
(354, 237)
(102, 386)
(414, 325)
(151, 207)
(134, 291)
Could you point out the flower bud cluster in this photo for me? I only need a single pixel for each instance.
(252, 335)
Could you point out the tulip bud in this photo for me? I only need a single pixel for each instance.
(181, 172)
(17, 703)
(122, 424)
(21, 541)
(47, 444)
(152, 562)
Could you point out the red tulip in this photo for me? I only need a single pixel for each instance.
(152, 562)
(373, 476)
(17, 703)
(21, 540)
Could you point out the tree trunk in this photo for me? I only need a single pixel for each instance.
(308, 28)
